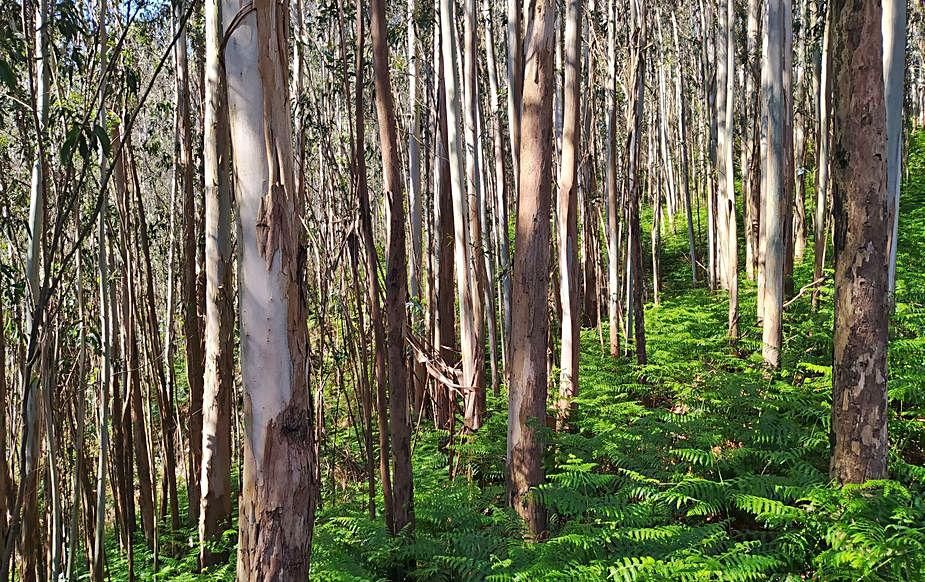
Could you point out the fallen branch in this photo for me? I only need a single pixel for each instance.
(804, 289)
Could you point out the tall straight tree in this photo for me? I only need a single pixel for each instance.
(515, 84)
(772, 217)
(372, 266)
(530, 323)
(725, 43)
(278, 490)
(471, 349)
(613, 209)
(475, 396)
(823, 157)
(396, 277)
(567, 213)
(218, 392)
(859, 369)
(192, 327)
(635, 111)
(894, 61)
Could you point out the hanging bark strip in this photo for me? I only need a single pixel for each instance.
(278, 490)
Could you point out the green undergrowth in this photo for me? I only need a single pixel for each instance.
(698, 466)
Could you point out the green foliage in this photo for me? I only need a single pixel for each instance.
(698, 466)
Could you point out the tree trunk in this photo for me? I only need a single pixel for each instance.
(475, 397)
(469, 331)
(861, 198)
(894, 61)
(775, 197)
(215, 498)
(445, 324)
(567, 215)
(372, 277)
(823, 156)
(530, 324)
(515, 85)
(613, 210)
(634, 153)
(191, 323)
(278, 491)
(726, 201)
(501, 215)
(396, 278)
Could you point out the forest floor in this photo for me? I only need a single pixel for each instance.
(698, 466)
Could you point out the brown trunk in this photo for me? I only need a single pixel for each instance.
(372, 267)
(192, 331)
(530, 324)
(396, 279)
(859, 371)
(445, 324)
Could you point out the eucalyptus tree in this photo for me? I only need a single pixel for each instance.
(471, 348)
(278, 489)
(567, 213)
(894, 60)
(775, 198)
(192, 324)
(396, 278)
(218, 392)
(862, 225)
(529, 322)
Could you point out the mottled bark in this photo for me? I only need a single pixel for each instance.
(860, 202)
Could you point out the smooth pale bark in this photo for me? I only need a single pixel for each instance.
(894, 61)
(800, 126)
(530, 324)
(726, 205)
(500, 202)
(823, 156)
(789, 152)
(751, 180)
(471, 349)
(684, 170)
(98, 561)
(588, 187)
(26, 499)
(515, 84)
(613, 210)
(192, 327)
(567, 215)
(215, 476)
(636, 110)
(862, 224)
(475, 398)
(415, 266)
(396, 278)
(775, 197)
(278, 492)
